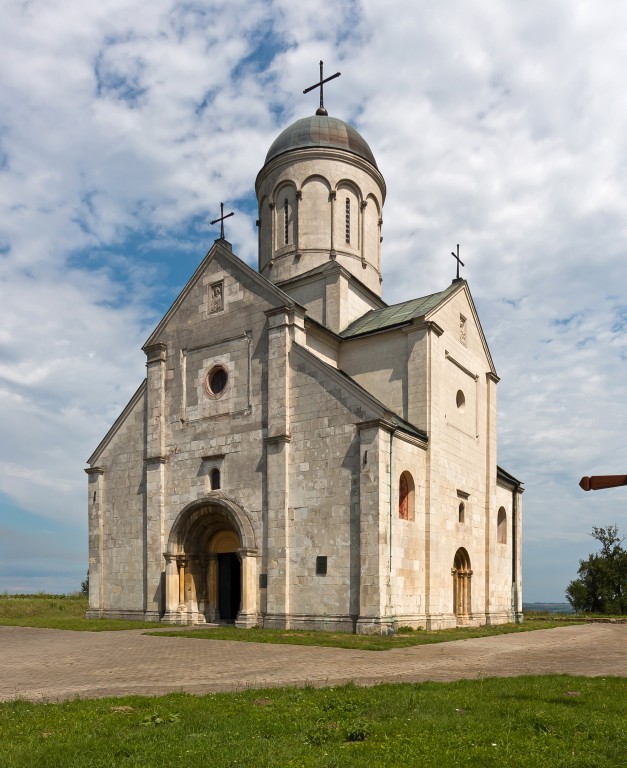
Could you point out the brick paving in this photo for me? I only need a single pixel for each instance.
(52, 664)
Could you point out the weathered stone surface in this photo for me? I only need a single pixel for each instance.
(256, 474)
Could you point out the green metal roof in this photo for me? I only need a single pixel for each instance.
(397, 314)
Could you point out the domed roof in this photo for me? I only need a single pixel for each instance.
(321, 131)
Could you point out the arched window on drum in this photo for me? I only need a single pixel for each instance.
(285, 218)
(347, 218)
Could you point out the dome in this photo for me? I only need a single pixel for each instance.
(321, 131)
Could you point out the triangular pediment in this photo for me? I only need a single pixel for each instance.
(451, 295)
(118, 423)
(423, 309)
(237, 267)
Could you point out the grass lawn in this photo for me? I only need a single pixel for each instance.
(528, 721)
(57, 612)
(68, 612)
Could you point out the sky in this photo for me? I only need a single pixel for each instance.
(497, 125)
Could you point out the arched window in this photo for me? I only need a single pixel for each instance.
(406, 496)
(501, 526)
(286, 222)
(461, 512)
(214, 479)
(348, 220)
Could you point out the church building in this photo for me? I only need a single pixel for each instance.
(300, 454)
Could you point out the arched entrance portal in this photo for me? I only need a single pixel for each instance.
(211, 565)
(461, 586)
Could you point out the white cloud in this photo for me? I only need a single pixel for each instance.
(496, 125)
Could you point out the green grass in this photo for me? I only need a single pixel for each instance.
(68, 612)
(402, 639)
(556, 721)
(57, 612)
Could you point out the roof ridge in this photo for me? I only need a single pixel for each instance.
(394, 314)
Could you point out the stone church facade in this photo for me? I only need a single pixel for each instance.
(300, 453)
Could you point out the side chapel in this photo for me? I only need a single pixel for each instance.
(301, 454)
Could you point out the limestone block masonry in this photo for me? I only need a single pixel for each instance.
(300, 453)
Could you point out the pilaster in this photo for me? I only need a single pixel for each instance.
(95, 506)
(490, 490)
(517, 600)
(156, 356)
(374, 533)
(332, 197)
(277, 460)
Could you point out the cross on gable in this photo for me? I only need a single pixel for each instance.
(221, 220)
(321, 110)
(459, 261)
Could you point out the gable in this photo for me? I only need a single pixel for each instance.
(425, 308)
(131, 421)
(219, 281)
(457, 316)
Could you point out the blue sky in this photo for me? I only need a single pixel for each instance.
(499, 126)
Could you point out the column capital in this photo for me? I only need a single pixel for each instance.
(156, 460)
(284, 437)
(247, 552)
(156, 353)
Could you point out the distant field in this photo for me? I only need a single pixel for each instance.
(57, 612)
(548, 607)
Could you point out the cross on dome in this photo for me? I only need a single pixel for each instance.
(321, 110)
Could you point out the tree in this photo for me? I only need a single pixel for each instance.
(602, 583)
(85, 586)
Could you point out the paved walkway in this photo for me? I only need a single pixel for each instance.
(52, 664)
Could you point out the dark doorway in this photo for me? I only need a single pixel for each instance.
(229, 586)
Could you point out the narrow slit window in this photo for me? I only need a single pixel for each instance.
(214, 479)
(286, 216)
(348, 220)
(406, 496)
(501, 526)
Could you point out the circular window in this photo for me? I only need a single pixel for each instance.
(460, 400)
(216, 381)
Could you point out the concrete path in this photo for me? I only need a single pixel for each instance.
(52, 664)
